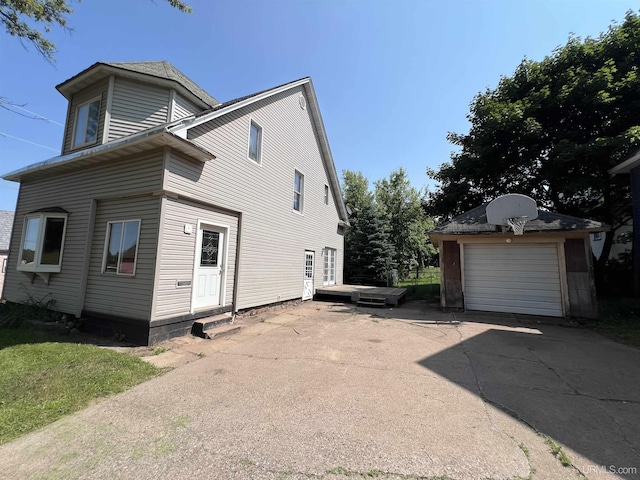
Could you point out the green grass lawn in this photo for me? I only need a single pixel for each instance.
(619, 318)
(425, 287)
(43, 378)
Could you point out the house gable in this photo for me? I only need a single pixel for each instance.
(306, 100)
(274, 235)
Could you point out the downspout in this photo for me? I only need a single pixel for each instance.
(236, 277)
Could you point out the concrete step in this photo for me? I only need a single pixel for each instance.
(222, 331)
(201, 325)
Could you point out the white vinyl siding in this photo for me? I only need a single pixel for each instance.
(273, 240)
(183, 108)
(95, 92)
(136, 107)
(177, 256)
(74, 192)
(126, 296)
(516, 278)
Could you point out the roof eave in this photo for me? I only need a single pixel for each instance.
(68, 87)
(181, 144)
(629, 164)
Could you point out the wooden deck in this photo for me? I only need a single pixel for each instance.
(363, 294)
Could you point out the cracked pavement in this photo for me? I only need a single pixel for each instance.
(325, 390)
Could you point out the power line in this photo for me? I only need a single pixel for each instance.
(28, 141)
(36, 116)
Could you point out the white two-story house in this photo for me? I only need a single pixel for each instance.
(166, 205)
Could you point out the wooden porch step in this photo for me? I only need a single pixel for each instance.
(371, 301)
(209, 327)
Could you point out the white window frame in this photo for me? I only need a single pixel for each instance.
(106, 248)
(329, 272)
(36, 265)
(75, 123)
(300, 210)
(258, 159)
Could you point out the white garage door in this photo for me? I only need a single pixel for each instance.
(515, 278)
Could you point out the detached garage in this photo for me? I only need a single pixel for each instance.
(508, 256)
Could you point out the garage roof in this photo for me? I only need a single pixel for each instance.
(475, 222)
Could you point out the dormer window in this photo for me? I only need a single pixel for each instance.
(86, 126)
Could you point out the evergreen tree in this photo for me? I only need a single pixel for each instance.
(371, 251)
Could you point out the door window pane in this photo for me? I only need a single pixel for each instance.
(209, 251)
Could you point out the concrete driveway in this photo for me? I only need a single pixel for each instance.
(328, 391)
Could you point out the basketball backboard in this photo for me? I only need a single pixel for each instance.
(512, 205)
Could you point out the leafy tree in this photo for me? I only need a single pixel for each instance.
(18, 17)
(401, 204)
(355, 187)
(551, 131)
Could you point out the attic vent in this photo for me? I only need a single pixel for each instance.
(303, 102)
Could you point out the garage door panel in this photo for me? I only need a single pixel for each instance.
(524, 310)
(517, 278)
(512, 276)
(518, 289)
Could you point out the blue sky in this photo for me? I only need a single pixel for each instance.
(392, 77)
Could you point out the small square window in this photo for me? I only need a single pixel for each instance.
(121, 247)
(255, 142)
(42, 242)
(298, 191)
(597, 236)
(326, 194)
(87, 120)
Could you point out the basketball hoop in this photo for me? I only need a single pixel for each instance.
(517, 224)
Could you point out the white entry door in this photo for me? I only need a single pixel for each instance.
(307, 290)
(209, 268)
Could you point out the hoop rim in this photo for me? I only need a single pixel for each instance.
(517, 224)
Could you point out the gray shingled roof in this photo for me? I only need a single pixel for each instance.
(164, 69)
(6, 224)
(475, 222)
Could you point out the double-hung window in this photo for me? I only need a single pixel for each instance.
(86, 126)
(255, 142)
(329, 266)
(121, 247)
(298, 191)
(42, 242)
